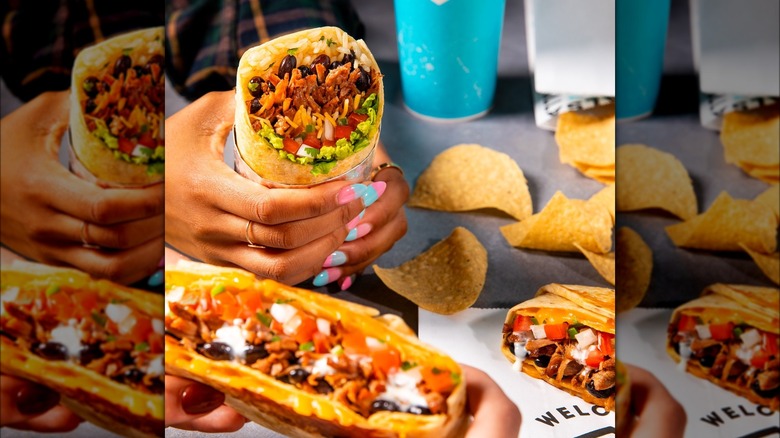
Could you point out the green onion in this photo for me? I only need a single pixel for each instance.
(455, 378)
(264, 319)
(737, 332)
(142, 346)
(52, 289)
(99, 319)
(218, 289)
(342, 121)
(406, 365)
(534, 320)
(337, 350)
(436, 371)
(572, 333)
(309, 346)
(253, 86)
(281, 301)
(292, 51)
(276, 339)
(118, 301)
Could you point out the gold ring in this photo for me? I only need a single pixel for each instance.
(248, 239)
(384, 166)
(84, 239)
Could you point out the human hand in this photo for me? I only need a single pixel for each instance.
(656, 413)
(47, 211)
(194, 406)
(383, 224)
(28, 406)
(495, 415)
(208, 205)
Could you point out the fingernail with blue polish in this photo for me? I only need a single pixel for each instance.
(327, 276)
(350, 193)
(346, 282)
(338, 258)
(373, 192)
(354, 222)
(156, 279)
(358, 232)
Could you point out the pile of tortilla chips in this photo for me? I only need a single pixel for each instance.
(448, 184)
(446, 279)
(649, 178)
(586, 140)
(751, 140)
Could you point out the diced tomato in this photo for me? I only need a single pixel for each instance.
(557, 331)
(595, 357)
(386, 358)
(723, 331)
(770, 343)
(686, 323)
(62, 305)
(277, 327)
(126, 145)
(326, 142)
(85, 302)
(291, 145)
(312, 140)
(522, 323)
(354, 343)
(205, 300)
(437, 379)
(147, 140)
(759, 359)
(606, 343)
(354, 119)
(342, 131)
(226, 306)
(250, 303)
(141, 330)
(321, 343)
(156, 344)
(305, 330)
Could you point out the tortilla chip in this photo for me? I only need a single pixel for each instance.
(448, 184)
(634, 268)
(728, 222)
(445, 279)
(587, 137)
(769, 175)
(771, 198)
(604, 263)
(600, 174)
(606, 197)
(769, 263)
(562, 223)
(752, 137)
(649, 178)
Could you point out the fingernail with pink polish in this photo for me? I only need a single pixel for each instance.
(354, 222)
(373, 192)
(346, 282)
(358, 232)
(326, 276)
(350, 193)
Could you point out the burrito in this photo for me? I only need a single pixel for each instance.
(305, 364)
(98, 344)
(623, 412)
(566, 337)
(117, 109)
(729, 336)
(308, 106)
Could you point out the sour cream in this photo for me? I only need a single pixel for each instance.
(68, 336)
(402, 389)
(232, 336)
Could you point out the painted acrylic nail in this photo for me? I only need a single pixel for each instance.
(373, 192)
(346, 282)
(200, 399)
(337, 258)
(33, 399)
(358, 232)
(354, 222)
(350, 193)
(156, 279)
(327, 276)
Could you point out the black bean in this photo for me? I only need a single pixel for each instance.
(132, 375)
(599, 394)
(255, 86)
(323, 387)
(121, 65)
(320, 59)
(363, 82)
(419, 410)
(298, 375)
(765, 393)
(542, 361)
(254, 106)
(707, 361)
(89, 353)
(384, 405)
(156, 59)
(334, 65)
(305, 71)
(51, 350)
(216, 350)
(90, 86)
(90, 106)
(158, 385)
(255, 352)
(286, 66)
(349, 58)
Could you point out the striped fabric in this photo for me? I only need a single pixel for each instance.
(41, 38)
(206, 38)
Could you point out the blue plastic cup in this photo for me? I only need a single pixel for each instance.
(639, 51)
(448, 53)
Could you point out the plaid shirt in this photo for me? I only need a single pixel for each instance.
(205, 39)
(41, 38)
